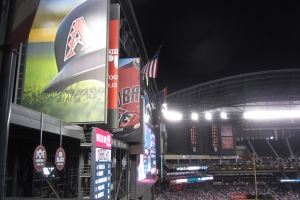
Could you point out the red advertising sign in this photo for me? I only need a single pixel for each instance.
(226, 130)
(39, 158)
(238, 196)
(113, 70)
(103, 139)
(227, 143)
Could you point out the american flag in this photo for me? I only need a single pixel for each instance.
(150, 69)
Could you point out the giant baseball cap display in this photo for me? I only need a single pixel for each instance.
(79, 46)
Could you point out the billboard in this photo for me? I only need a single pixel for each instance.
(66, 66)
(129, 104)
(226, 131)
(227, 143)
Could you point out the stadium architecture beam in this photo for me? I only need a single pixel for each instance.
(261, 91)
(269, 89)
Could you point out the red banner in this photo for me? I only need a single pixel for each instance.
(227, 143)
(113, 71)
(129, 95)
(103, 139)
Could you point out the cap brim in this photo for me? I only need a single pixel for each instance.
(91, 66)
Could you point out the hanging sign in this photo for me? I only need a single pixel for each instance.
(60, 158)
(39, 158)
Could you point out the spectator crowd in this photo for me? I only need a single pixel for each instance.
(196, 191)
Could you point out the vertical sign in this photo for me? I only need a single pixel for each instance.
(194, 138)
(113, 69)
(129, 96)
(101, 165)
(215, 138)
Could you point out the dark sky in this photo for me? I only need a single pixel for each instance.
(203, 40)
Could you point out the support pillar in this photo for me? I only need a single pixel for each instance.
(275, 134)
(7, 69)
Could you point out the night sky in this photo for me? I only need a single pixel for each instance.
(204, 40)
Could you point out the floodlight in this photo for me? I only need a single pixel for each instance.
(208, 115)
(223, 115)
(173, 115)
(194, 116)
(271, 114)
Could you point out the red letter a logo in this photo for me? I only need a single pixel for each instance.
(79, 34)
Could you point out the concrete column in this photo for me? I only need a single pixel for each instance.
(275, 134)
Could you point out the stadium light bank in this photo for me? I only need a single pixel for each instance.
(176, 116)
(272, 114)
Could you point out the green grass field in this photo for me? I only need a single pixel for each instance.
(81, 102)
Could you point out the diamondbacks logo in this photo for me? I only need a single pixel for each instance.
(79, 34)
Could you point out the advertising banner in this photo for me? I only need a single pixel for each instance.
(129, 111)
(227, 143)
(113, 71)
(66, 66)
(226, 131)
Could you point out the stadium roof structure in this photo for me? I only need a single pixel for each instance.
(266, 90)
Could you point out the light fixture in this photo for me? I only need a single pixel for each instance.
(223, 115)
(194, 116)
(208, 116)
(271, 114)
(172, 115)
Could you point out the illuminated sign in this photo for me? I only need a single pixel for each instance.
(101, 164)
(103, 139)
(191, 168)
(180, 173)
(289, 180)
(102, 180)
(193, 179)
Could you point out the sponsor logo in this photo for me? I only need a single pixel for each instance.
(79, 34)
